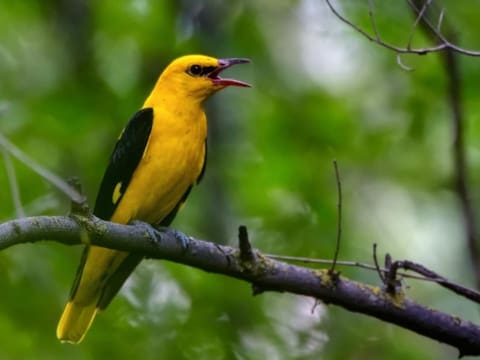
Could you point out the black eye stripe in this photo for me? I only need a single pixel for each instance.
(207, 70)
(197, 70)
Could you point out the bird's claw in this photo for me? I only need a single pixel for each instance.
(154, 234)
(183, 239)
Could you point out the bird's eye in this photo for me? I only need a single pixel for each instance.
(195, 70)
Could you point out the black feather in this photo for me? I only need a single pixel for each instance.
(124, 160)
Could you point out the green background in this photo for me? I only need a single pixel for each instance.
(73, 72)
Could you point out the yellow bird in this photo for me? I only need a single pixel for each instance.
(159, 156)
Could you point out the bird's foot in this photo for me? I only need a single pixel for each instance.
(154, 235)
(183, 239)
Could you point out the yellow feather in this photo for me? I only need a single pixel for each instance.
(75, 322)
(117, 193)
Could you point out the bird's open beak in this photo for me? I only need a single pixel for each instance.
(225, 64)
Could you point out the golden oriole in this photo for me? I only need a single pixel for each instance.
(159, 156)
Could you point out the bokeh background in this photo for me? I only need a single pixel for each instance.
(72, 72)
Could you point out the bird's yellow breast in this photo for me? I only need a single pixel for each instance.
(171, 163)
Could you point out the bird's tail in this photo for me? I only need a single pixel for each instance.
(75, 321)
(81, 309)
(99, 277)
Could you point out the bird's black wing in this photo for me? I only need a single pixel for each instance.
(125, 158)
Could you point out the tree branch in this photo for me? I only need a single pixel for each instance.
(267, 274)
(443, 45)
(53, 179)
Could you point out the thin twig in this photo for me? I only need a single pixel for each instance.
(440, 20)
(415, 23)
(401, 64)
(40, 170)
(360, 265)
(445, 44)
(456, 288)
(391, 281)
(372, 20)
(339, 215)
(432, 28)
(425, 275)
(12, 181)
(246, 253)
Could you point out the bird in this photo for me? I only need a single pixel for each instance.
(159, 156)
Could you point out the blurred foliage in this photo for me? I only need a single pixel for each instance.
(72, 72)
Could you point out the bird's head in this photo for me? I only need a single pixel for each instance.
(198, 76)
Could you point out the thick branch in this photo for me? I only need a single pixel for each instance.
(266, 274)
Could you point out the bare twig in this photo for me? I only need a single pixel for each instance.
(445, 44)
(391, 282)
(78, 207)
(415, 23)
(420, 269)
(246, 253)
(401, 64)
(373, 20)
(339, 215)
(44, 173)
(425, 276)
(440, 20)
(424, 18)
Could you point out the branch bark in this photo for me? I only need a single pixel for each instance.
(264, 274)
